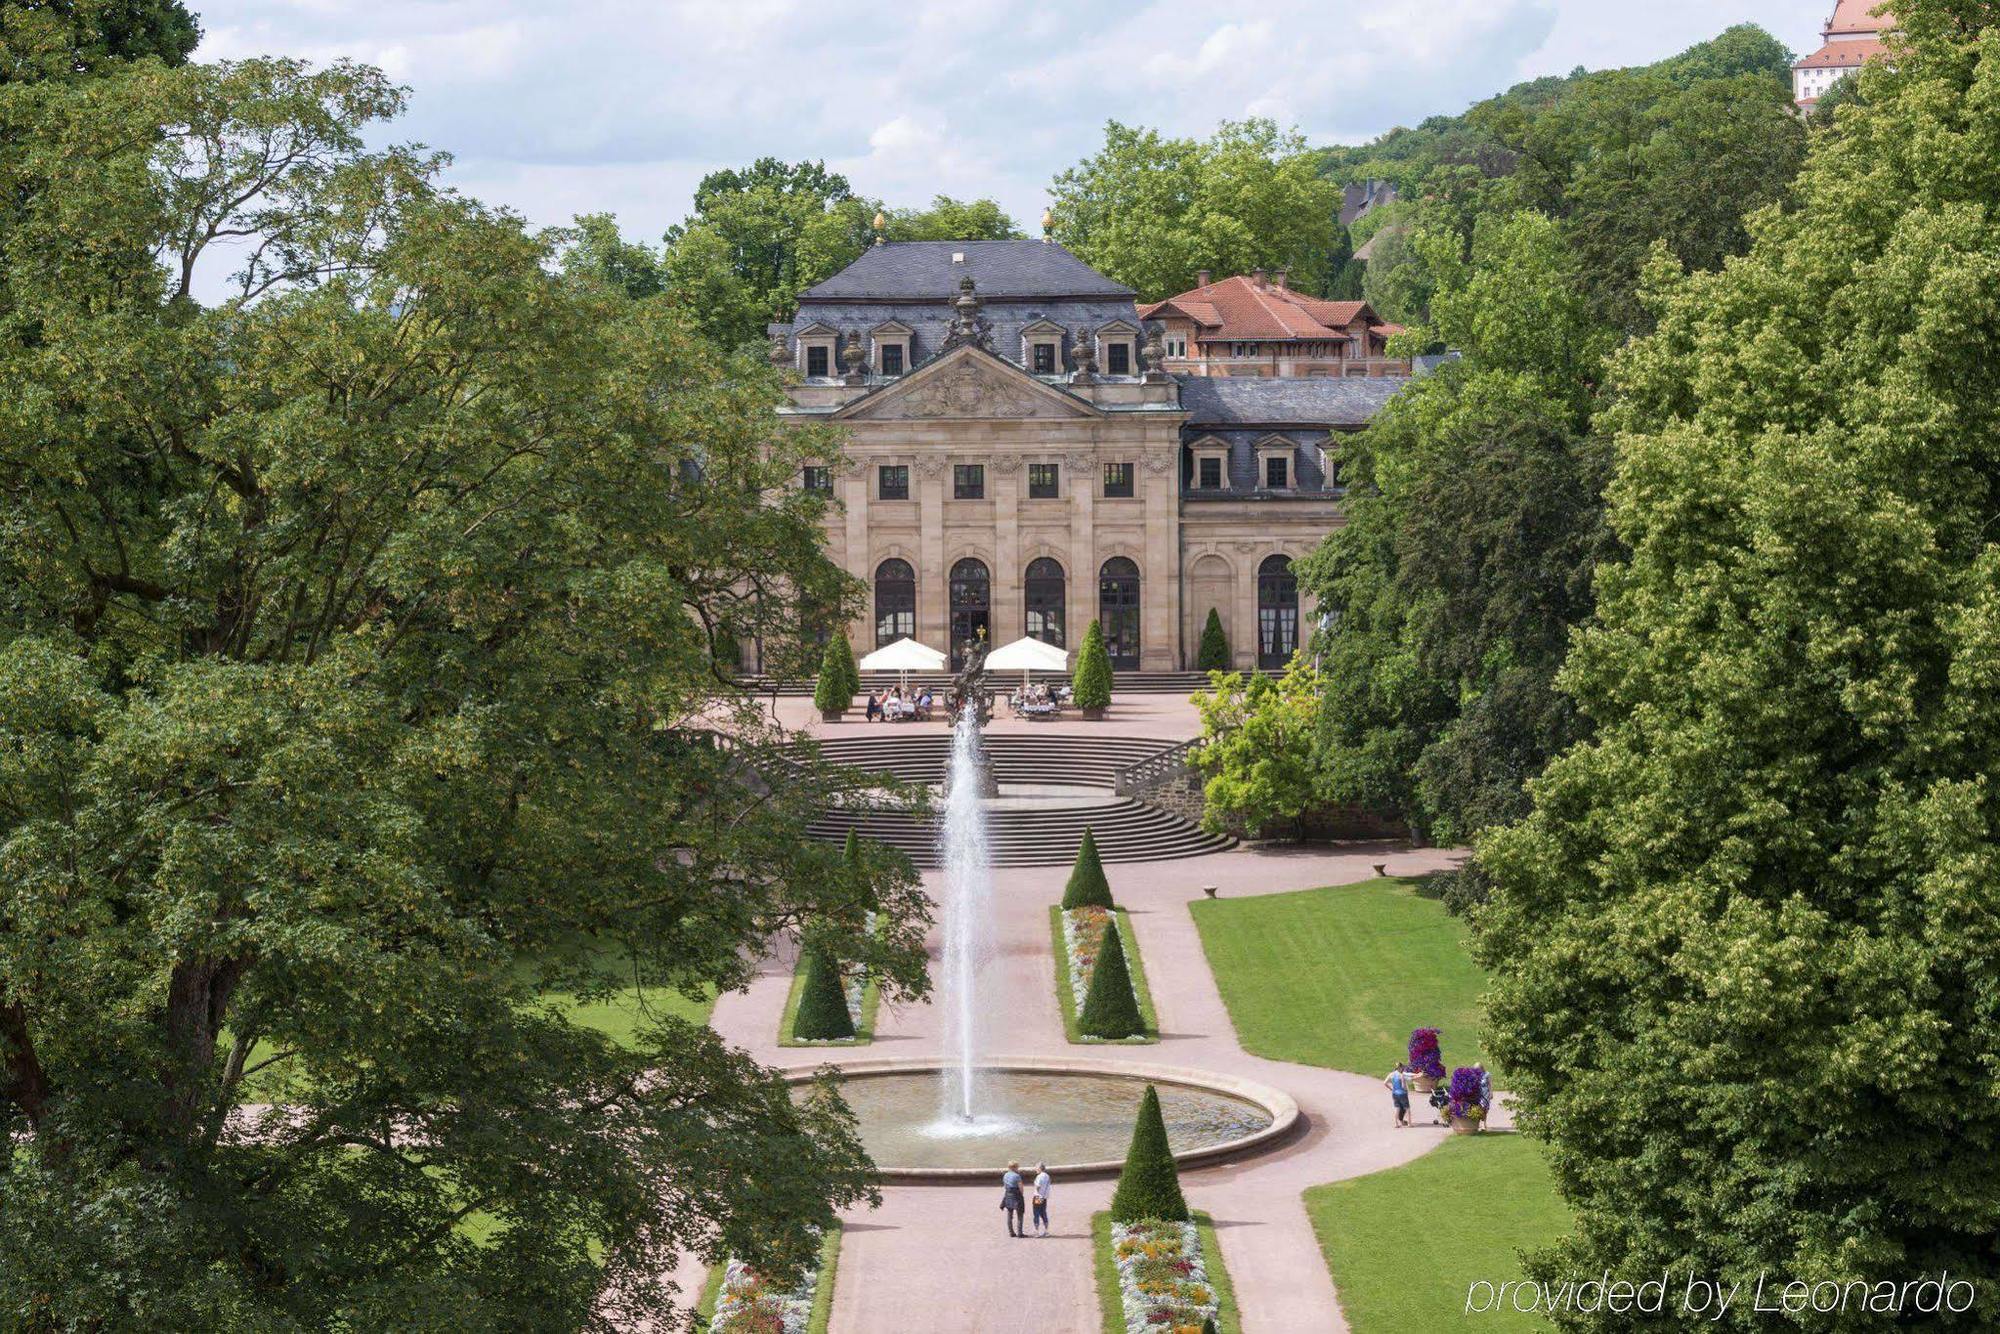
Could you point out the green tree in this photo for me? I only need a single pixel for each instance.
(1745, 946)
(949, 219)
(60, 39)
(356, 692)
(1257, 750)
(1213, 655)
(1093, 671)
(839, 679)
(1110, 1006)
(822, 1015)
(1087, 887)
(597, 249)
(757, 238)
(1151, 211)
(1150, 1184)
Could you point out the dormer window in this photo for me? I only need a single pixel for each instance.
(891, 355)
(1211, 464)
(817, 343)
(1118, 348)
(1041, 347)
(1274, 463)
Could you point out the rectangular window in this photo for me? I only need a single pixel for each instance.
(1117, 480)
(1119, 358)
(892, 359)
(1274, 473)
(1045, 358)
(1208, 474)
(968, 481)
(819, 480)
(1042, 481)
(894, 481)
(816, 361)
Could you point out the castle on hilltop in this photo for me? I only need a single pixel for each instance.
(1852, 36)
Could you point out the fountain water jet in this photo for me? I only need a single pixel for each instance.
(968, 901)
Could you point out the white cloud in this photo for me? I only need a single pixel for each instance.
(622, 105)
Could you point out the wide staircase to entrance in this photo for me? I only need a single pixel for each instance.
(1123, 683)
(1052, 787)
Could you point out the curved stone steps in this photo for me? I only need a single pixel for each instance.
(1125, 830)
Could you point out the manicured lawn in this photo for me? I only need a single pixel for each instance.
(1111, 1305)
(864, 1023)
(1133, 962)
(1339, 976)
(621, 1015)
(1403, 1246)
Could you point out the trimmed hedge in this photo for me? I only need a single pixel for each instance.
(1110, 1008)
(839, 679)
(1213, 655)
(1087, 887)
(1093, 671)
(1150, 1185)
(822, 1015)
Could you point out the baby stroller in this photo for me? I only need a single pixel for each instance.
(1439, 1097)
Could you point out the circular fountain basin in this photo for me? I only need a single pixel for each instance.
(1075, 1116)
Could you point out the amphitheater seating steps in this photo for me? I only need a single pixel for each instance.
(1126, 830)
(1123, 683)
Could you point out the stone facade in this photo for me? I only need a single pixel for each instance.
(1000, 476)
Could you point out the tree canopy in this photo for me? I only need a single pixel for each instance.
(358, 688)
(760, 236)
(62, 39)
(1744, 945)
(1151, 211)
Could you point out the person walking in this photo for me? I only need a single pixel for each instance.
(1398, 1084)
(1042, 1187)
(1485, 1094)
(1011, 1202)
(874, 707)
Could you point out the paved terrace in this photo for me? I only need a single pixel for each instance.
(938, 1258)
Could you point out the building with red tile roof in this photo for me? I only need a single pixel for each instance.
(1853, 35)
(1256, 326)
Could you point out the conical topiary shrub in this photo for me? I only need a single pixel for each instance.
(839, 678)
(1093, 671)
(1110, 1007)
(1150, 1185)
(1087, 886)
(822, 1015)
(1213, 655)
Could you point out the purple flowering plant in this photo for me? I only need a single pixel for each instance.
(1425, 1057)
(1465, 1093)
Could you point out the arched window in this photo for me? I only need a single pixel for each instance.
(1118, 611)
(1277, 612)
(1046, 589)
(895, 602)
(971, 607)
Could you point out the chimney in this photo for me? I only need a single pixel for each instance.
(1201, 278)
(1257, 277)
(1278, 279)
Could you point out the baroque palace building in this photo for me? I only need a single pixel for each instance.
(1020, 462)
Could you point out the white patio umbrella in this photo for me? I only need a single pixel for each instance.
(904, 656)
(1028, 655)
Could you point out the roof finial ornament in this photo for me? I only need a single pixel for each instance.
(879, 224)
(853, 356)
(1048, 225)
(1086, 356)
(968, 326)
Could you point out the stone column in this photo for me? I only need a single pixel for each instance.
(933, 577)
(1003, 482)
(1160, 609)
(1250, 556)
(1080, 587)
(855, 495)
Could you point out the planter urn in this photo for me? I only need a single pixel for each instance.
(1464, 1125)
(832, 715)
(1093, 715)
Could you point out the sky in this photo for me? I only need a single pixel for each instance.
(622, 106)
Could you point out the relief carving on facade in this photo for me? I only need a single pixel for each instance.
(931, 466)
(967, 390)
(1006, 465)
(1159, 464)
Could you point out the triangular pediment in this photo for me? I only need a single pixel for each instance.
(967, 383)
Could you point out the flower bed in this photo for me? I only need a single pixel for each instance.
(1163, 1277)
(1083, 938)
(748, 1303)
